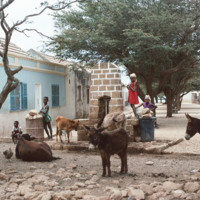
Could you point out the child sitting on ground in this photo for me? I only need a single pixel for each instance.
(16, 131)
(148, 104)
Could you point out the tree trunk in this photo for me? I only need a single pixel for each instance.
(156, 97)
(169, 101)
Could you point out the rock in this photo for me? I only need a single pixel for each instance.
(138, 139)
(40, 188)
(159, 188)
(32, 168)
(90, 187)
(31, 195)
(95, 178)
(89, 182)
(3, 176)
(46, 196)
(148, 189)
(52, 165)
(169, 186)
(72, 166)
(17, 180)
(80, 193)
(131, 198)
(89, 197)
(67, 179)
(116, 194)
(63, 195)
(16, 198)
(27, 175)
(79, 184)
(103, 198)
(51, 183)
(74, 187)
(158, 195)
(191, 187)
(149, 163)
(116, 182)
(198, 194)
(137, 193)
(124, 193)
(177, 193)
(12, 187)
(57, 146)
(92, 173)
(24, 189)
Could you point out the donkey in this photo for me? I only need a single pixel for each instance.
(193, 126)
(109, 143)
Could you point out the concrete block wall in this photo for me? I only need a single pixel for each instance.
(105, 80)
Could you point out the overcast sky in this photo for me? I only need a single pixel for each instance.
(43, 23)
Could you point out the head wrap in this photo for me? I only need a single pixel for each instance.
(147, 97)
(133, 75)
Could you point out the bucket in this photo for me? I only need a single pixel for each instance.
(147, 128)
(34, 127)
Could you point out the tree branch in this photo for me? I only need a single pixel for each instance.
(6, 4)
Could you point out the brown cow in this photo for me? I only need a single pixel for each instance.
(33, 151)
(109, 143)
(67, 125)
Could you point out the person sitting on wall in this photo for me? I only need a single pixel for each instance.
(147, 104)
(16, 132)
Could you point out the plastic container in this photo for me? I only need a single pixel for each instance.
(147, 128)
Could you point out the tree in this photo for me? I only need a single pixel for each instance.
(154, 39)
(12, 81)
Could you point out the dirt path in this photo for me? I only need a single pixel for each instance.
(164, 166)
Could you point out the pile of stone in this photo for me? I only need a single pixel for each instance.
(33, 114)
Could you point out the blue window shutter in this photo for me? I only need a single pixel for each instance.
(15, 99)
(23, 95)
(55, 95)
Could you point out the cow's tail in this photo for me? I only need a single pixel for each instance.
(56, 158)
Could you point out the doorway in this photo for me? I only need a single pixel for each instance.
(38, 96)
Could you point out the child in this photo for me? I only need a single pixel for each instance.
(148, 104)
(46, 117)
(132, 93)
(16, 132)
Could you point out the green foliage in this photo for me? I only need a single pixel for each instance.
(155, 39)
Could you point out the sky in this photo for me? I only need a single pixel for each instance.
(43, 23)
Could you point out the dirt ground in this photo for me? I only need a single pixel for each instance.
(164, 166)
(174, 167)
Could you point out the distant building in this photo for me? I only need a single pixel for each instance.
(43, 75)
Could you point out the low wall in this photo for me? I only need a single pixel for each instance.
(131, 128)
(7, 119)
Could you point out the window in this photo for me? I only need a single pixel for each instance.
(18, 98)
(88, 95)
(55, 95)
(79, 93)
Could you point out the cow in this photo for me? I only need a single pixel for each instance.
(109, 143)
(114, 120)
(33, 151)
(67, 125)
(193, 126)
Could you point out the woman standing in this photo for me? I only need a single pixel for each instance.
(46, 117)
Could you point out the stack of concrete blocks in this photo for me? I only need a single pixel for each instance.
(132, 128)
(105, 80)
